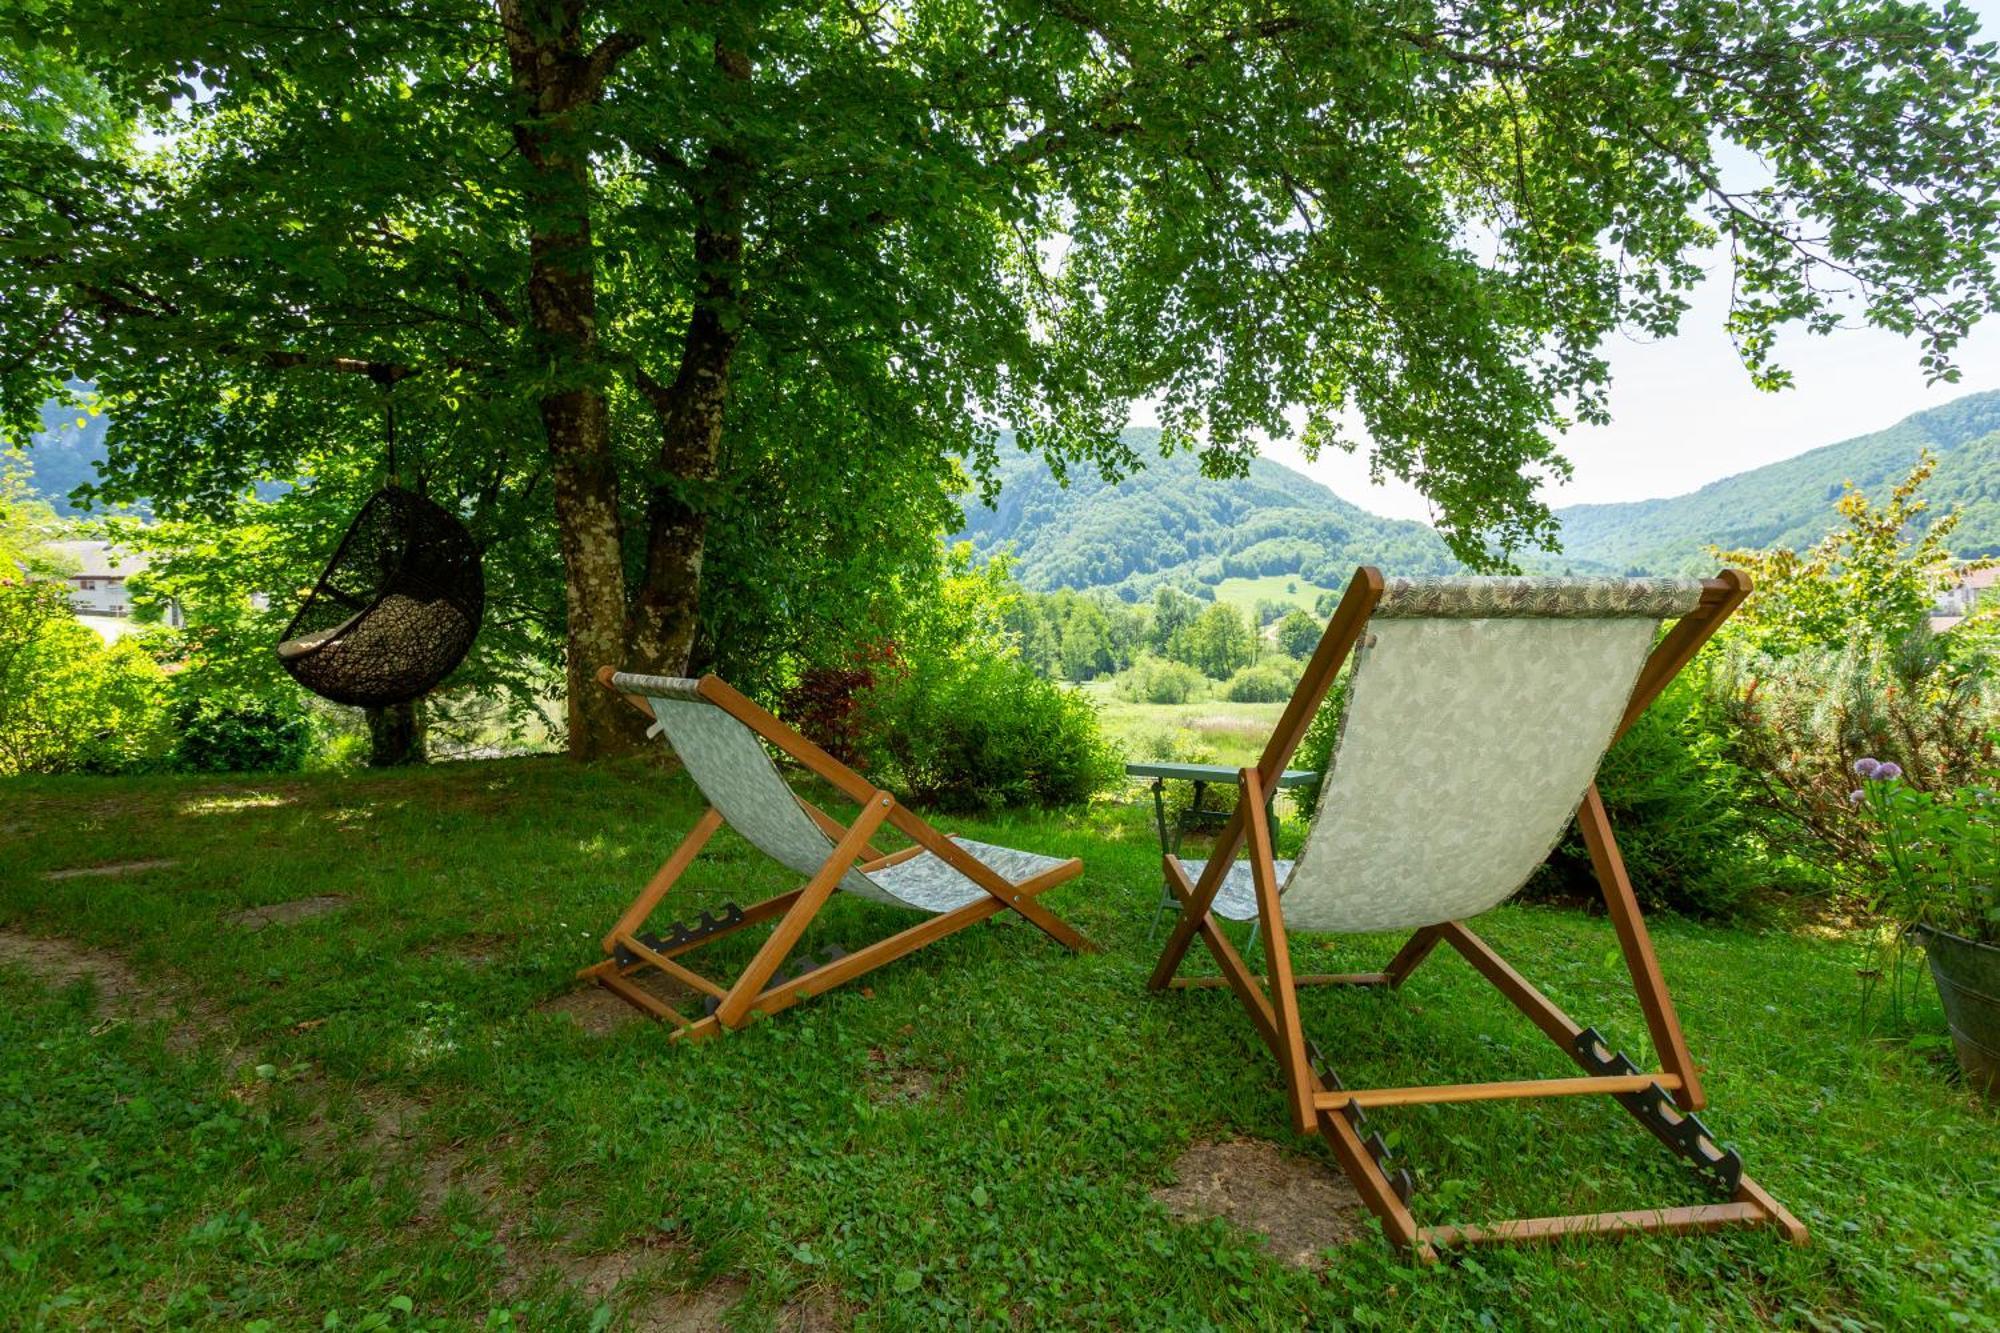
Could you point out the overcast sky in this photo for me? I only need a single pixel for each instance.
(1684, 412)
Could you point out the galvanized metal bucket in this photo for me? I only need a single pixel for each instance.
(1968, 982)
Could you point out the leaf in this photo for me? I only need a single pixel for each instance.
(907, 1281)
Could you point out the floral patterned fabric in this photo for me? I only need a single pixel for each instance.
(734, 771)
(1466, 748)
(1236, 900)
(927, 883)
(1497, 598)
(657, 687)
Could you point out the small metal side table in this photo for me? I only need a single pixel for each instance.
(1198, 817)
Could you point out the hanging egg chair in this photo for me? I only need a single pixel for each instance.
(396, 609)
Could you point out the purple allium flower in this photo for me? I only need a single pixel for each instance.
(1888, 772)
(1856, 796)
(1866, 767)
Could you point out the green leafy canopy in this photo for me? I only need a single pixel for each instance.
(1418, 220)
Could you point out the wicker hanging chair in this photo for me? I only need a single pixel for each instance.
(396, 609)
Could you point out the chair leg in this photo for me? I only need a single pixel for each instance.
(1662, 1023)
(665, 877)
(777, 946)
(1336, 1131)
(1411, 956)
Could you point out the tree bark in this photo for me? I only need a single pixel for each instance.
(396, 735)
(554, 79)
(666, 615)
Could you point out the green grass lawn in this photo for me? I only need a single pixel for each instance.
(1244, 594)
(1235, 733)
(376, 1117)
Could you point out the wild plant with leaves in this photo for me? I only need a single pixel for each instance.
(1832, 660)
(1873, 577)
(1797, 725)
(1939, 850)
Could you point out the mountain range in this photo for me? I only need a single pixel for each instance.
(65, 454)
(1791, 503)
(1168, 523)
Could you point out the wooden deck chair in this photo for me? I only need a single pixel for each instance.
(719, 736)
(1477, 714)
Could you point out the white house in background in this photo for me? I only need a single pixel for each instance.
(98, 580)
(1956, 602)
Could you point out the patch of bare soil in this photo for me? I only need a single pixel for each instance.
(471, 950)
(600, 1275)
(699, 1311)
(115, 868)
(120, 993)
(287, 913)
(599, 1012)
(1300, 1207)
(815, 1313)
(56, 962)
(891, 1082)
(440, 1176)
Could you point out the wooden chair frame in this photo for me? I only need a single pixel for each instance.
(753, 991)
(1334, 1111)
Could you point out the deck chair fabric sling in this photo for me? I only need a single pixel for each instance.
(1478, 711)
(720, 737)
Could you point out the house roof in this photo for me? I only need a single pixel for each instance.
(98, 560)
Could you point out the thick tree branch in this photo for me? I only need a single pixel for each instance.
(604, 57)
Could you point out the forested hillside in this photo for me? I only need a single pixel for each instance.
(65, 454)
(1791, 503)
(1169, 524)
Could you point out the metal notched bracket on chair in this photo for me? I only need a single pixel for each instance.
(1400, 1178)
(680, 936)
(1682, 1131)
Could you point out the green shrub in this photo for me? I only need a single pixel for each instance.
(1154, 680)
(1315, 751)
(979, 732)
(69, 703)
(1682, 810)
(240, 734)
(1799, 722)
(1267, 682)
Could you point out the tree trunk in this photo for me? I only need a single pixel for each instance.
(555, 80)
(667, 612)
(396, 735)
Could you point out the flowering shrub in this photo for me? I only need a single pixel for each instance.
(1940, 851)
(1797, 724)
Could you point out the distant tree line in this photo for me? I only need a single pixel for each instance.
(1079, 636)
